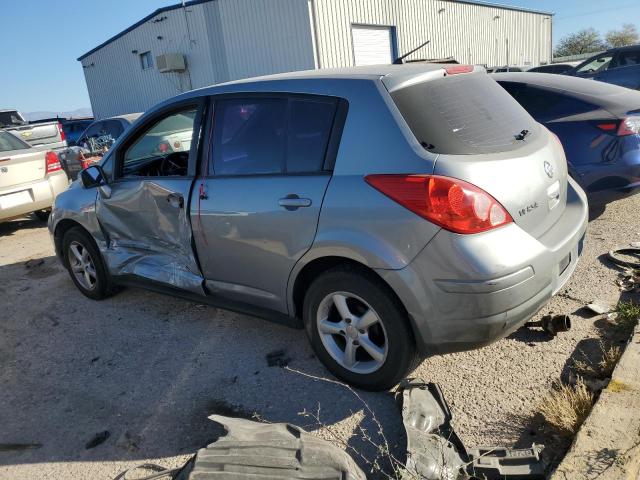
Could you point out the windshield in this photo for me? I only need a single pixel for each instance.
(11, 119)
(464, 114)
(9, 142)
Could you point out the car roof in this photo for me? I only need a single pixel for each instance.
(605, 95)
(393, 75)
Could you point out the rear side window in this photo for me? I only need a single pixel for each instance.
(271, 135)
(545, 105)
(10, 142)
(463, 115)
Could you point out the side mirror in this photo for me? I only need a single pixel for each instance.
(93, 176)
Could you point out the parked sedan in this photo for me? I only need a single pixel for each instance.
(393, 211)
(30, 178)
(619, 66)
(94, 141)
(597, 123)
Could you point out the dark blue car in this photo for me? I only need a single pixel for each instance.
(619, 66)
(597, 123)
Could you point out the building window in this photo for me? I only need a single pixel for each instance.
(146, 61)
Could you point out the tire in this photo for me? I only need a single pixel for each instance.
(371, 304)
(96, 286)
(43, 215)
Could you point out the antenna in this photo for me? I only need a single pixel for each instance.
(399, 60)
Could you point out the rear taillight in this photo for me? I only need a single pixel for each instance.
(451, 203)
(63, 137)
(622, 128)
(52, 162)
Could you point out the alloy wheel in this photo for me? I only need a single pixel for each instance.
(352, 332)
(82, 265)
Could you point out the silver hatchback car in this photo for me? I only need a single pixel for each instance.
(392, 211)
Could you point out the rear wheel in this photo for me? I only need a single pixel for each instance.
(358, 329)
(84, 263)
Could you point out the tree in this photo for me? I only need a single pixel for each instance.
(627, 35)
(584, 41)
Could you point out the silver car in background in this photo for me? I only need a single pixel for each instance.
(392, 211)
(30, 178)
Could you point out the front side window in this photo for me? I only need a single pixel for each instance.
(146, 61)
(163, 148)
(598, 64)
(271, 135)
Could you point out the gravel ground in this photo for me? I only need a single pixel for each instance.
(149, 369)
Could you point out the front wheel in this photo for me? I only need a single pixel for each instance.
(84, 263)
(358, 329)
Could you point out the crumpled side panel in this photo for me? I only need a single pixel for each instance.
(148, 236)
(253, 450)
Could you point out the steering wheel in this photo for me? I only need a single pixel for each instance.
(174, 164)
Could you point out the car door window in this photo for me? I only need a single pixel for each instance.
(250, 136)
(271, 135)
(598, 64)
(162, 149)
(545, 105)
(628, 58)
(310, 124)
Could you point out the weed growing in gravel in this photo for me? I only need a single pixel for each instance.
(627, 318)
(604, 368)
(567, 406)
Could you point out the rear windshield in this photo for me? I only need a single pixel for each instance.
(463, 115)
(10, 142)
(10, 119)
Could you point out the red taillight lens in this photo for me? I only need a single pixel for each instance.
(63, 137)
(451, 203)
(52, 162)
(456, 69)
(629, 126)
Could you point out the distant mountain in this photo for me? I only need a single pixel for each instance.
(80, 112)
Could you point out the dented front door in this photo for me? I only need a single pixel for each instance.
(144, 210)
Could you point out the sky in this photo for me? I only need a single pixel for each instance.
(41, 40)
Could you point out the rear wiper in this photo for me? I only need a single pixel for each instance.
(522, 135)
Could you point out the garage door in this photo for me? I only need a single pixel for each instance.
(371, 45)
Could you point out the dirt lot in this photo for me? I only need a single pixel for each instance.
(149, 369)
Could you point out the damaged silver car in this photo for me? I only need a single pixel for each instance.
(393, 211)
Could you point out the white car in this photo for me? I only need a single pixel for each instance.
(30, 178)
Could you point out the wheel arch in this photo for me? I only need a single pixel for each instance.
(304, 276)
(62, 227)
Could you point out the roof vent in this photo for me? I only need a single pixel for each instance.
(170, 62)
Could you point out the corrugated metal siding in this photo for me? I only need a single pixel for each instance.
(470, 33)
(265, 36)
(115, 80)
(233, 39)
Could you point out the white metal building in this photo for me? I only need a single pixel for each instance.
(202, 42)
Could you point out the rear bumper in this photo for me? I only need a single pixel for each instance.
(466, 291)
(32, 196)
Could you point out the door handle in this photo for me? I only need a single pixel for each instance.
(175, 200)
(293, 202)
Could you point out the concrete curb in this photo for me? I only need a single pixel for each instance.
(607, 447)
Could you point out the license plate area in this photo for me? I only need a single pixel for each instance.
(14, 199)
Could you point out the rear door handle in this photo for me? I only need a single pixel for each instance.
(293, 202)
(175, 200)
